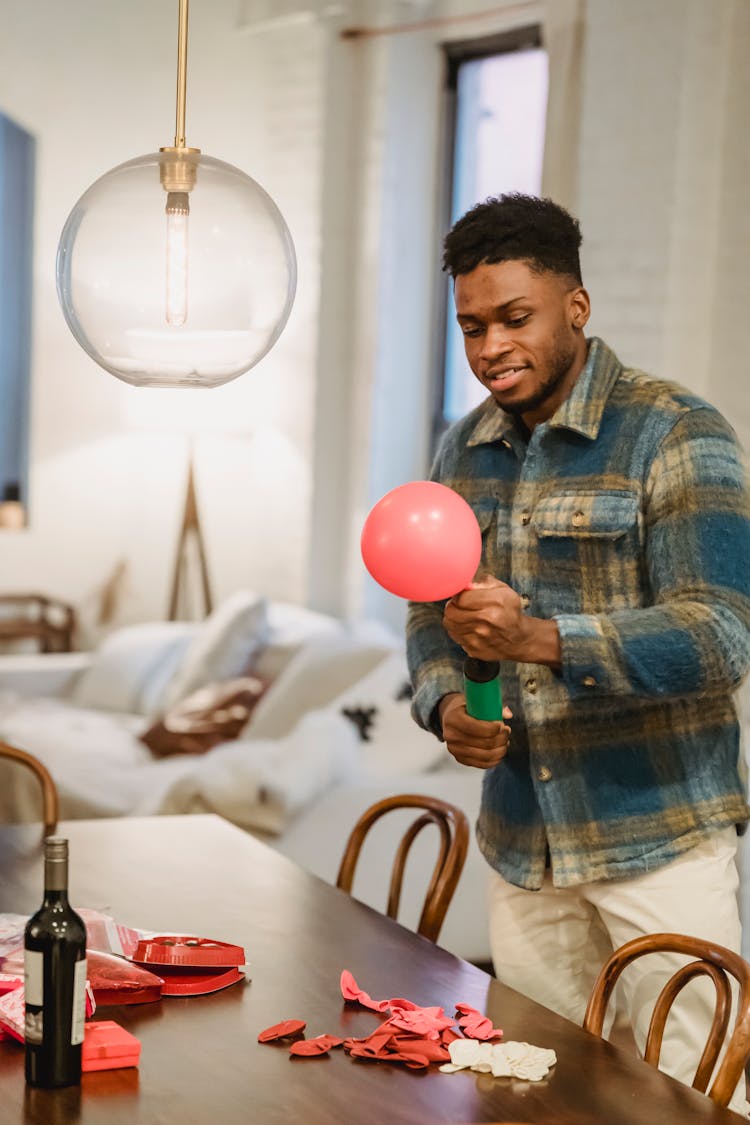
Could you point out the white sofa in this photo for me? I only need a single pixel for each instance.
(298, 775)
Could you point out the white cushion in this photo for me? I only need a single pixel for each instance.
(322, 668)
(130, 668)
(289, 627)
(223, 647)
(392, 743)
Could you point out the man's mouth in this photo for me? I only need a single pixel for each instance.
(505, 379)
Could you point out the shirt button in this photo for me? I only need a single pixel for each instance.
(578, 519)
(525, 518)
(525, 601)
(588, 681)
(544, 774)
(530, 686)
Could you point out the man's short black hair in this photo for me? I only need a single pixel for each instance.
(515, 227)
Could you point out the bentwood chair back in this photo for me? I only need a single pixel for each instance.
(715, 962)
(50, 801)
(453, 845)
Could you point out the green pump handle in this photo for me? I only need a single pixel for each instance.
(482, 688)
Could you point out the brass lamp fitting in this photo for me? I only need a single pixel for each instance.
(177, 176)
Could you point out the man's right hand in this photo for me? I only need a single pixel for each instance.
(472, 742)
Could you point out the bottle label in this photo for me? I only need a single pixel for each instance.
(79, 1002)
(33, 990)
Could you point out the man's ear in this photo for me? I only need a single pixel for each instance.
(580, 307)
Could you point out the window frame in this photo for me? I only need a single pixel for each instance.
(455, 54)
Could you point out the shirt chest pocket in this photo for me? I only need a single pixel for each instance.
(588, 548)
(586, 515)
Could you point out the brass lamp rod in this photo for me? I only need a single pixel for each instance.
(182, 45)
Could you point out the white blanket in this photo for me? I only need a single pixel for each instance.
(261, 784)
(101, 768)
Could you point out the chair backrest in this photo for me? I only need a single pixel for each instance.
(715, 962)
(50, 801)
(49, 622)
(454, 842)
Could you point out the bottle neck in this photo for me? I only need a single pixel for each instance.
(56, 879)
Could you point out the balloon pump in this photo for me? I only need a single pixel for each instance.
(422, 541)
(484, 696)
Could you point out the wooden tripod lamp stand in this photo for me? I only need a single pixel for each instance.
(190, 532)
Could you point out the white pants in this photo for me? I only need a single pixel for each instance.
(550, 944)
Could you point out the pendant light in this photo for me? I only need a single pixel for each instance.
(176, 269)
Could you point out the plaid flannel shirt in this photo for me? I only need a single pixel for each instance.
(625, 518)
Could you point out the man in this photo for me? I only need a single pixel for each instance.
(615, 591)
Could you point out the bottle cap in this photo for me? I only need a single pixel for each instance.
(55, 847)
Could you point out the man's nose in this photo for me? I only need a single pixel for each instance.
(496, 342)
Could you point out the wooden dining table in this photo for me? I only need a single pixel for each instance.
(201, 1062)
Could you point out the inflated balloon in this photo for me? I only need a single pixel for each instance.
(422, 542)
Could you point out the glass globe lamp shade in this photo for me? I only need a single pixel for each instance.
(176, 288)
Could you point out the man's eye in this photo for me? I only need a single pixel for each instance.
(471, 330)
(517, 321)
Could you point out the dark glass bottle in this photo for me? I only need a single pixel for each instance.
(54, 978)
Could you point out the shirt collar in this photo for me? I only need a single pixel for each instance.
(581, 411)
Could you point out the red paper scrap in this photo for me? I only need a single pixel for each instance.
(426, 1022)
(282, 1030)
(398, 1004)
(350, 990)
(411, 1035)
(9, 982)
(320, 1045)
(476, 1026)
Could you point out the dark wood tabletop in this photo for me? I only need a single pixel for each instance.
(201, 1062)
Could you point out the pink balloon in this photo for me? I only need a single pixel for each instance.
(422, 542)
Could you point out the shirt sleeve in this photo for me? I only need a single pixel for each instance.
(435, 663)
(695, 636)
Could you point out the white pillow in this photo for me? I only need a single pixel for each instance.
(322, 668)
(223, 647)
(130, 669)
(289, 627)
(380, 707)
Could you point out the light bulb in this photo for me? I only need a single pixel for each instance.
(177, 209)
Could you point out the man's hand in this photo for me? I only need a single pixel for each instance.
(472, 742)
(489, 623)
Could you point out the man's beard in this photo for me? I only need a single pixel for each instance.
(560, 363)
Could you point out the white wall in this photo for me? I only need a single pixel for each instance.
(346, 136)
(95, 84)
(664, 165)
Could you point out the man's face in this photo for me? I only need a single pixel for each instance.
(523, 335)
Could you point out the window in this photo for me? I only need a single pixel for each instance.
(497, 102)
(16, 207)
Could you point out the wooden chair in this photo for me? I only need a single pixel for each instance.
(49, 622)
(715, 962)
(454, 842)
(50, 803)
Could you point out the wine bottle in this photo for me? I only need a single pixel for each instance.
(54, 978)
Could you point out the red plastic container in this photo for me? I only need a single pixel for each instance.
(107, 1046)
(178, 949)
(191, 966)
